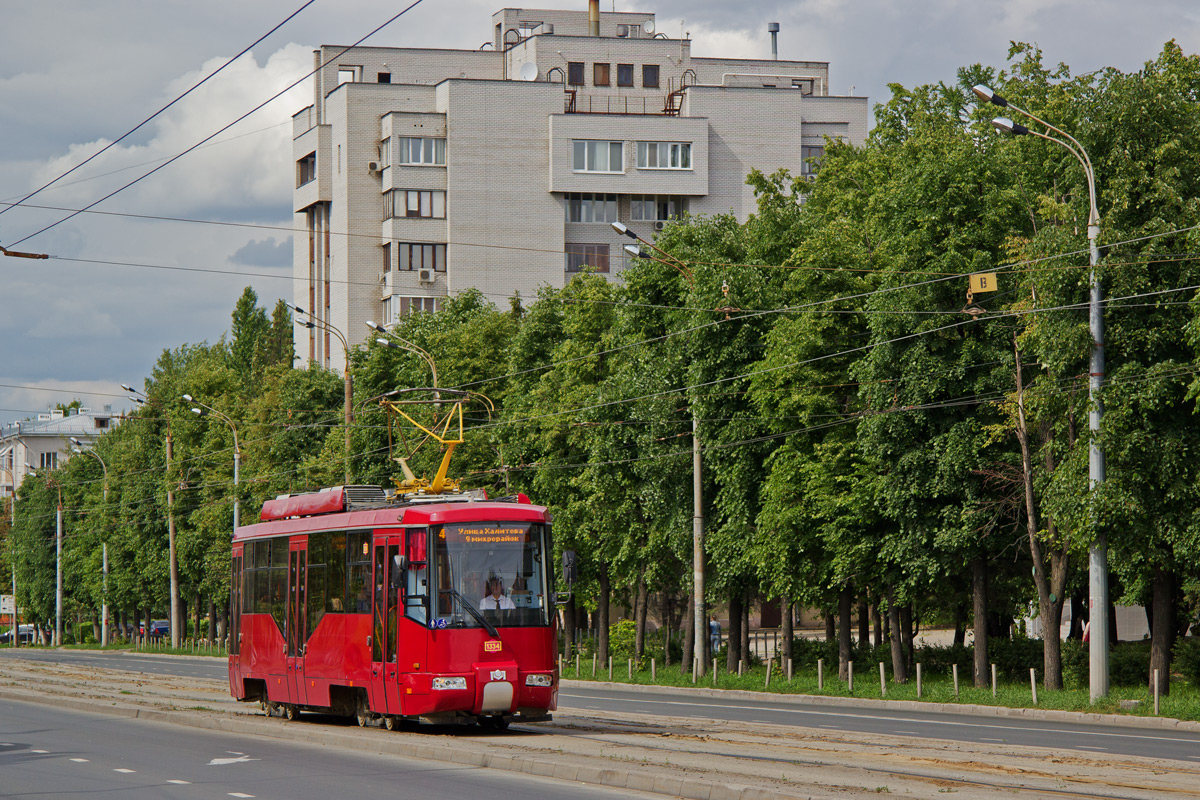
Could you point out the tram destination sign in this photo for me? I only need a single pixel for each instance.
(487, 533)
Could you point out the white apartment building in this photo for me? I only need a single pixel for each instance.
(45, 443)
(424, 172)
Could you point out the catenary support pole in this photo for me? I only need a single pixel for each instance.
(698, 619)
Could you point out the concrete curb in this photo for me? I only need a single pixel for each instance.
(964, 709)
(403, 745)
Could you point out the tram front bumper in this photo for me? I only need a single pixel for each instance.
(495, 687)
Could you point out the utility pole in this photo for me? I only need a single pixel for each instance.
(58, 625)
(171, 547)
(700, 632)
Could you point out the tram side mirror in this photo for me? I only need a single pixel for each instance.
(570, 571)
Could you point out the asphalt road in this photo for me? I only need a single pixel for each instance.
(869, 718)
(54, 753)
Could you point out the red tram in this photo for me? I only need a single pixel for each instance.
(434, 607)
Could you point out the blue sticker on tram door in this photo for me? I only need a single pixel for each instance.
(440, 622)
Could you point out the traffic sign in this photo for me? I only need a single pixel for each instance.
(7, 606)
(983, 282)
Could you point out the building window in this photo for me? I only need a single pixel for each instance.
(600, 74)
(383, 77)
(419, 255)
(650, 76)
(415, 203)
(421, 150)
(624, 74)
(664, 155)
(385, 153)
(581, 256)
(575, 73)
(591, 207)
(596, 156)
(49, 461)
(306, 169)
(395, 306)
(656, 207)
(349, 75)
(387, 257)
(810, 159)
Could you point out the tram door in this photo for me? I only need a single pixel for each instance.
(388, 577)
(297, 619)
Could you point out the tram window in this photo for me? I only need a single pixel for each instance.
(247, 587)
(279, 580)
(262, 591)
(316, 595)
(337, 573)
(262, 555)
(358, 573)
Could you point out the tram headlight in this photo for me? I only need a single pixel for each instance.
(449, 683)
(537, 680)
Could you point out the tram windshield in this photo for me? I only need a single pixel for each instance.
(491, 574)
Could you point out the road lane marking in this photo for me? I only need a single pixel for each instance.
(881, 718)
(80, 760)
(986, 739)
(240, 759)
(178, 782)
(1086, 747)
(125, 771)
(239, 794)
(43, 752)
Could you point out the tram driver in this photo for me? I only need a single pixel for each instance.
(495, 597)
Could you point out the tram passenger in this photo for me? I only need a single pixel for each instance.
(495, 598)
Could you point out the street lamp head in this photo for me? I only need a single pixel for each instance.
(385, 343)
(75, 442)
(634, 251)
(189, 398)
(623, 229)
(1008, 126)
(198, 412)
(307, 324)
(298, 309)
(985, 94)
(375, 327)
(137, 400)
(128, 388)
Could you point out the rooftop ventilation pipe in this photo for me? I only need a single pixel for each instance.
(773, 29)
(593, 17)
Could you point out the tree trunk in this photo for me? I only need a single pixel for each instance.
(1049, 587)
(569, 624)
(864, 624)
(602, 614)
(747, 653)
(785, 604)
(212, 620)
(640, 613)
(689, 637)
(899, 659)
(877, 624)
(1163, 634)
(960, 624)
(845, 646)
(222, 622)
(734, 651)
(830, 626)
(908, 631)
(979, 596)
(196, 619)
(95, 626)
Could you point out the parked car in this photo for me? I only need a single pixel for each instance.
(160, 628)
(24, 632)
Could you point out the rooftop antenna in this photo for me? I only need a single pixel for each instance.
(773, 29)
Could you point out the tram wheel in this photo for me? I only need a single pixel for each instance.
(271, 709)
(363, 714)
(291, 712)
(390, 722)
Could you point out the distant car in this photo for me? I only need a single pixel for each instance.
(160, 628)
(25, 634)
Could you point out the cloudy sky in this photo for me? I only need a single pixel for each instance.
(123, 285)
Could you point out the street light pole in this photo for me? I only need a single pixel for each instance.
(104, 545)
(347, 377)
(1098, 550)
(237, 450)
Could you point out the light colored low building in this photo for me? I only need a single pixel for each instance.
(45, 443)
(424, 172)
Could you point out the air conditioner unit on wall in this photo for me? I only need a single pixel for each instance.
(425, 275)
(372, 166)
(659, 225)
